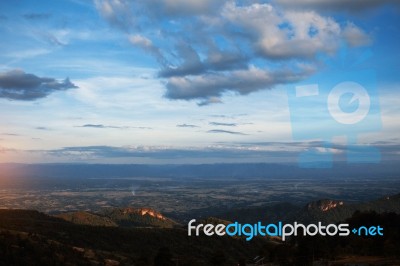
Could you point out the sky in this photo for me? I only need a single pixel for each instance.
(185, 81)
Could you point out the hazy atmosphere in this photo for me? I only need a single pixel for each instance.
(199, 132)
(165, 81)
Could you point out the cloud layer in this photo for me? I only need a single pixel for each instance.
(282, 151)
(208, 48)
(336, 5)
(225, 132)
(18, 85)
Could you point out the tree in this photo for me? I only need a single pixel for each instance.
(163, 257)
(218, 257)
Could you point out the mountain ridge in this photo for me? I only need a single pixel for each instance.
(120, 217)
(325, 210)
(29, 236)
(220, 170)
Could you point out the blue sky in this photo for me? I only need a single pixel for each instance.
(174, 81)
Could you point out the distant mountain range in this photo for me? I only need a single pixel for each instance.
(225, 170)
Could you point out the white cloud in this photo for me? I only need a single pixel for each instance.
(116, 12)
(285, 35)
(237, 47)
(141, 41)
(147, 45)
(355, 36)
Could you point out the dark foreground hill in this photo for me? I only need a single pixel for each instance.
(121, 217)
(333, 211)
(33, 238)
(326, 211)
(126, 236)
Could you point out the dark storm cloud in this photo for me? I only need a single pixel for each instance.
(234, 116)
(97, 126)
(187, 125)
(42, 128)
(241, 81)
(145, 152)
(18, 85)
(209, 100)
(223, 124)
(337, 5)
(10, 134)
(278, 151)
(389, 149)
(101, 126)
(92, 152)
(225, 132)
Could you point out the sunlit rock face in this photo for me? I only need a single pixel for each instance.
(324, 205)
(144, 211)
